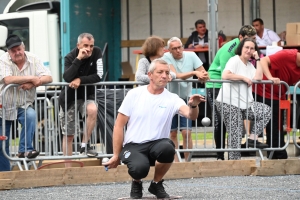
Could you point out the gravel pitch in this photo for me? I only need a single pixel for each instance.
(234, 187)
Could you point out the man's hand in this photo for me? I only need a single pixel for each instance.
(202, 76)
(196, 99)
(248, 81)
(75, 83)
(36, 81)
(83, 53)
(26, 86)
(112, 163)
(276, 81)
(255, 55)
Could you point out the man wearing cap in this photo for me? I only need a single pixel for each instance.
(215, 73)
(18, 66)
(83, 65)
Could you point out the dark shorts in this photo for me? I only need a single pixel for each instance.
(70, 128)
(139, 157)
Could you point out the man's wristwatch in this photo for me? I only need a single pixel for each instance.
(258, 59)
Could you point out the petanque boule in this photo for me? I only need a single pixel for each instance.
(105, 160)
(205, 121)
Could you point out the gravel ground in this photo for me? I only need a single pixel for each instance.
(232, 187)
(235, 187)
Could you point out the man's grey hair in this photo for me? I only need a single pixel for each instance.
(172, 39)
(84, 35)
(154, 62)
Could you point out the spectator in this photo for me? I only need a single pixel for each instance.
(185, 64)
(83, 65)
(152, 48)
(236, 100)
(147, 111)
(283, 65)
(199, 39)
(18, 66)
(215, 72)
(264, 37)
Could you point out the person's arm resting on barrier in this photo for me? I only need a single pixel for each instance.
(22, 79)
(191, 110)
(200, 72)
(265, 64)
(46, 79)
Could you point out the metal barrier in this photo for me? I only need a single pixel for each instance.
(207, 142)
(296, 112)
(48, 137)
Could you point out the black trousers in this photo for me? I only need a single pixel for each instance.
(139, 157)
(219, 134)
(274, 137)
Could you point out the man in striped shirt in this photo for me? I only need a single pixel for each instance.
(18, 66)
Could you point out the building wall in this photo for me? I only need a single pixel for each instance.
(166, 18)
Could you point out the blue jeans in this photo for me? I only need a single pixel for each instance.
(184, 123)
(25, 145)
(4, 162)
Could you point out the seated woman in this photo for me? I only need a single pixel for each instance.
(152, 48)
(235, 101)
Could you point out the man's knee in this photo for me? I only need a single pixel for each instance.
(167, 153)
(91, 110)
(138, 170)
(68, 138)
(186, 133)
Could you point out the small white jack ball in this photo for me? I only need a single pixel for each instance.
(205, 121)
(105, 160)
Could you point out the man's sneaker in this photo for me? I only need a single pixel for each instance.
(90, 152)
(251, 143)
(136, 190)
(158, 189)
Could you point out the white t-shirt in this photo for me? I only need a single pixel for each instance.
(268, 37)
(150, 116)
(239, 93)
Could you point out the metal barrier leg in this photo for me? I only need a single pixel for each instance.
(25, 164)
(190, 156)
(178, 156)
(271, 154)
(34, 165)
(19, 165)
(40, 163)
(261, 154)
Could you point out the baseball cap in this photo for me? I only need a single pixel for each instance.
(247, 30)
(13, 41)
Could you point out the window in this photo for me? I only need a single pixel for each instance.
(19, 27)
